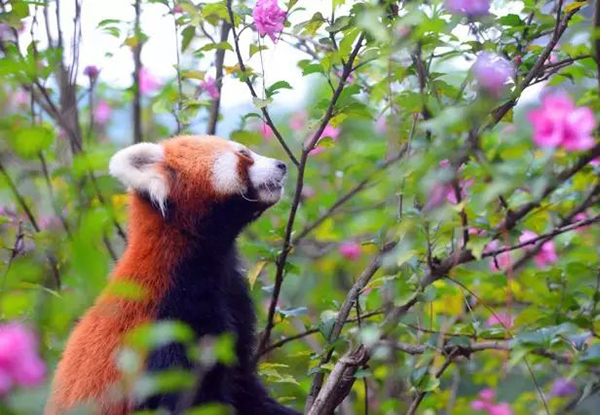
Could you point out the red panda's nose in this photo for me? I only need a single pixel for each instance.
(281, 166)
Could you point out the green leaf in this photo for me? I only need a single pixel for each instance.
(30, 141)
(261, 103)
(272, 90)
(312, 68)
(186, 37)
(255, 49)
(326, 323)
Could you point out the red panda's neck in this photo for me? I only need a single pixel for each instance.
(153, 250)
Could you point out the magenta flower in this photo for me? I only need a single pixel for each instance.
(562, 387)
(102, 112)
(20, 363)
(503, 319)
(49, 223)
(502, 408)
(91, 71)
(329, 131)
(350, 250)
(546, 255)
(298, 120)
(560, 123)
(266, 131)
(148, 82)
(471, 8)
(210, 86)
(445, 191)
(492, 72)
(268, 18)
(178, 9)
(486, 403)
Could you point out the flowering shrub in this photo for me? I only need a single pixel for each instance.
(437, 248)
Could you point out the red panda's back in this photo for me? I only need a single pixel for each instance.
(87, 371)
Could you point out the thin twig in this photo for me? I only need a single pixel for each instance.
(309, 145)
(248, 82)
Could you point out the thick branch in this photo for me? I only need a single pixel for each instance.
(213, 116)
(137, 63)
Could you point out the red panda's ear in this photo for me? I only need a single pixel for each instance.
(137, 166)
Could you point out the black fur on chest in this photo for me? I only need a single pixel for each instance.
(209, 293)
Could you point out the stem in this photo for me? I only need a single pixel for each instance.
(137, 62)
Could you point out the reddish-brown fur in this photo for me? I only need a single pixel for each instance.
(87, 373)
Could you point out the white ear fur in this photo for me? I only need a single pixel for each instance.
(136, 167)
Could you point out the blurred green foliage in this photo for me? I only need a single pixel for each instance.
(61, 214)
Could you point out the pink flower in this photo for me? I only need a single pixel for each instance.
(502, 408)
(102, 112)
(265, 131)
(49, 223)
(298, 120)
(329, 131)
(19, 98)
(20, 363)
(210, 85)
(487, 394)
(178, 9)
(546, 255)
(381, 125)
(268, 18)
(559, 122)
(492, 72)
(91, 71)
(471, 8)
(350, 250)
(502, 319)
(501, 261)
(463, 185)
(446, 191)
(486, 403)
(148, 82)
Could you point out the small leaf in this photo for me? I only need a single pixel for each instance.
(255, 272)
(326, 323)
(272, 90)
(255, 49)
(187, 35)
(261, 103)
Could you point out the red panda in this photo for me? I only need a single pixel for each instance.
(190, 198)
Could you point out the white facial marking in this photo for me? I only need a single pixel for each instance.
(267, 177)
(226, 179)
(136, 167)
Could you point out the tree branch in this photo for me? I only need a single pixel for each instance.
(213, 116)
(309, 145)
(248, 82)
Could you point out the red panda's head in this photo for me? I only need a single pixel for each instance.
(186, 178)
